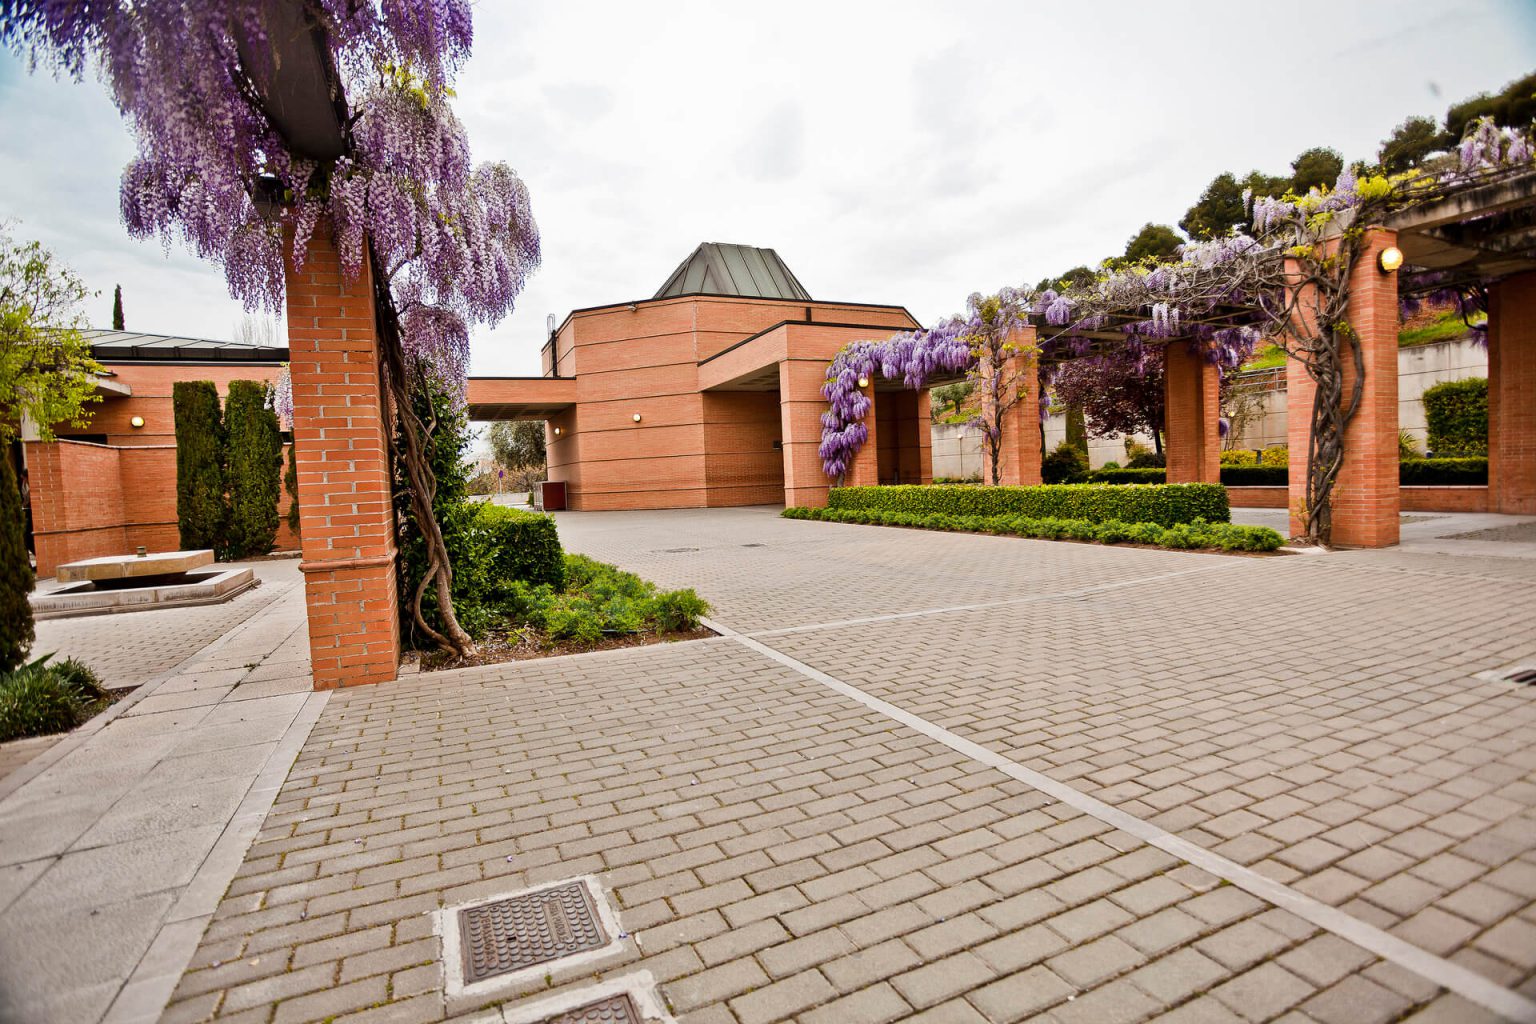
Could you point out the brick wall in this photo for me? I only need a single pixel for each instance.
(347, 523)
(1511, 387)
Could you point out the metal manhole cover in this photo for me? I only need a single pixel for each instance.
(617, 1009)
(1522, 676)
(529, 929)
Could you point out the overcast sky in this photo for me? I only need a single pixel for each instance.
(890, 152)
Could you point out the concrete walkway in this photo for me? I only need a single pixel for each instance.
(117, 842)
(937, 777)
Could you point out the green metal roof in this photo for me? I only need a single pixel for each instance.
(721, 268)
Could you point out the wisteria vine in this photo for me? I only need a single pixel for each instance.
(1286, 282)
(450, 244)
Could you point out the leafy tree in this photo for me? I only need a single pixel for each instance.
(1318, 167)
(201, 511)
(117, 308)
(1153, 242)
(255, 461)
(1219, 207)
(518, 445)
(1410, 144)
(951, 397)
(47, 375)
(1077, 277)
(1514, 106)
(1118, 393)
(16, 630)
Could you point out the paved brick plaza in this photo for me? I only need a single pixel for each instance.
(782, 847)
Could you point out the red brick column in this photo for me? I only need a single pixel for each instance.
(347, 526)
(1512, 396)
(800, 409)
(865, 471)
(1366, 502)
(925, 435)
(1191, 415)
(1018, 463)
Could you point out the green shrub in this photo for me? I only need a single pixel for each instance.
(1408, 446)
(291, 484)
(600, 601)
(1196, 534)
(201, 509)
(1166, 504)
(1467, 472)
(1144, 458)
(16, 628)
(1128, 476)
(1239, 457)
(1066, 464)
(1276, 455)
(1457, 413)
(38, 699)
(1110, 465)
(255, 463)
(1253, 475)
(519, 545)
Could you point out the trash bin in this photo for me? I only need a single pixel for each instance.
(549, 496)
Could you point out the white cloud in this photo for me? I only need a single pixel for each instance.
(898, 152)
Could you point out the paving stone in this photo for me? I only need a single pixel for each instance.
(1356, 1000)
(942, 979)
(1020, 995)
(1089, 964)
(783, 998)
(1177, 976)
(876, 1005)
(1263, 992)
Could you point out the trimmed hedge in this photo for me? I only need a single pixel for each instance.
(1197, 534)
(1255, 476)
(1457, 414)
(1165, 504)
(1468, 472)
(520, 545)
(1139, 475)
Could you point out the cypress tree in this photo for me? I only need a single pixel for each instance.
(201, 510)
(255, 467)
(117, 308)
(16, 630)
(291, 484)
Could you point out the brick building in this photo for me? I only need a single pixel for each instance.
(109, 487)
(708, 393)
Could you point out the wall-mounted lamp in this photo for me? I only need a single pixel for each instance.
(633, 308)
(557, 431)
(863, 382)
(1389, 259)
(637, 417)
(137, 421)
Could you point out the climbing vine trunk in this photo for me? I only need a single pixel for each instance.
(410, 454)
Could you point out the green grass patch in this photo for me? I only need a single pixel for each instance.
(1265, 358)
(1445, 327)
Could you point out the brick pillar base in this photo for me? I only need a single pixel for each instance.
(347, 518)
(1365, 495)
(1511, 385)
(1192, 414)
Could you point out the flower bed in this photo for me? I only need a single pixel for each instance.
(1197, 534)
(1164, 504)
(596, 606)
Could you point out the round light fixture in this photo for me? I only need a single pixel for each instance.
(637, 417)
(137, 421)
(1390, 259)
(557, 431)
(863, 382)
